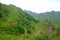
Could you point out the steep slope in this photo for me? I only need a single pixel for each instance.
(14, 20)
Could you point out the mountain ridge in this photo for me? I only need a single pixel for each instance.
(53, 15)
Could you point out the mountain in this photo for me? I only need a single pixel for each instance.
(53, 16)
(33, 14)
(16, 24)
(13, 20)
(49, 23)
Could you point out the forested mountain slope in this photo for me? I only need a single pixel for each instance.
(15, 20)
(16, 24)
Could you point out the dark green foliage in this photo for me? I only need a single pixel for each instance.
(29, 31)
(0, 15)
(21, 30)
(13, 20)
(0, 6)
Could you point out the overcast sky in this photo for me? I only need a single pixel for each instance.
(35, 5)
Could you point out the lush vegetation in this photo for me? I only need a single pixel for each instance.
(15, 24)
(48, 18)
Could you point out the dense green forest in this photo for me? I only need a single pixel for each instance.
(16, 24)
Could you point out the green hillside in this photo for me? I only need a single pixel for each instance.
(15, 24)
(14, 20)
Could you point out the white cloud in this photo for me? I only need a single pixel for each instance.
(35, 5)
